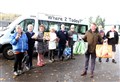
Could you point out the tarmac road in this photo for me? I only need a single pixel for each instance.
(62, 71)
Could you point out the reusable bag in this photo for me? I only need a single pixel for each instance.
(80, 47)
(75, 47)
(104, 50)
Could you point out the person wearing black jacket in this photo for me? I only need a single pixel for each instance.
(63, 41)
(31, 42)
(113, 39)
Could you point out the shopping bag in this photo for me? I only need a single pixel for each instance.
(83, 46)
(67, 52)
(80, 47)
(75, 47)
(104, 50)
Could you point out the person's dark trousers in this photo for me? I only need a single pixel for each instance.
(71, 51)
(93, 58)
(18, 61)
(61, 48)
(100, 59)
(71, 46)
(51, 54)
(30, 54)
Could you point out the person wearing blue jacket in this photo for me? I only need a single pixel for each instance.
(19, 42)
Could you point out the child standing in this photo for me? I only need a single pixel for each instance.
(52, 44)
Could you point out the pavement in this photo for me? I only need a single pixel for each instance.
(62, 71)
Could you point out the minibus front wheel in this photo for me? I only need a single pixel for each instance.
(8, 53)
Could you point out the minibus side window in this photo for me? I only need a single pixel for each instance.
(82, 29)
(26, 22)
(55, 25)
(45, 23)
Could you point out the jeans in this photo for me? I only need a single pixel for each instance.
(93, 58)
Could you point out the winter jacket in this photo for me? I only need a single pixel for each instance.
(92, 38)
(20, 45)
(63, 36)
(31, 41)
(114, 39)
(70, 40)
(42, 46)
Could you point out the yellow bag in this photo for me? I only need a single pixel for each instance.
(104, 50)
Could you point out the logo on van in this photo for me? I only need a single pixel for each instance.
(64, 19)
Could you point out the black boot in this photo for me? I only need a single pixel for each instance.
(84, 73)
(100, 60)
(107, 60)
(113, 61)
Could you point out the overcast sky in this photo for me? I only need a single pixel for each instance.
(71, 8)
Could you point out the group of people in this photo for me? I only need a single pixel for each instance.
(94, 37)
(111, 38)
(23, 43)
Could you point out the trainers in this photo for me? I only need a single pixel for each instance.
(19, 71)
(50, 61)
(15, 73)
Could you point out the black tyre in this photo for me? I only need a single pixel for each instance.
(8, 53)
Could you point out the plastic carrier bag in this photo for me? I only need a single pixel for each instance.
(67, 52)
(80, 47)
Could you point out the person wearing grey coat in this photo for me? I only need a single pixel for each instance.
(42, 45)
(73, 37)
